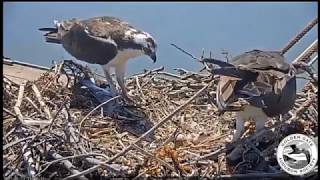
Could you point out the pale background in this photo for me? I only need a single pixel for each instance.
(235, 27)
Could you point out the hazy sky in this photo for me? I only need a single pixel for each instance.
(235, 27)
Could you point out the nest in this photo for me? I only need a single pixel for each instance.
(51, 130)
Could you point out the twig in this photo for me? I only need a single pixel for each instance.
(9, 112)
(118, 169)
(33, 104)
(210, 155)
(140, 90)
(199, 60)
(185, 52)
(42, 103)
(48, 164)
(17, 141)
(100, 105)
(32, 122)
(28, 157)
(154, 157)
(141, 174)
(55, 117)
(69, 166)
(19, 101)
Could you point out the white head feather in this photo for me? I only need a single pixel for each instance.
(56, 23)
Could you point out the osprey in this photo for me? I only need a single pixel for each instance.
(261, 79)
(107, 41)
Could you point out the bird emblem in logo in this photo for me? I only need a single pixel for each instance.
(297, 154)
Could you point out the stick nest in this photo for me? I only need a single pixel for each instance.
(41, 135)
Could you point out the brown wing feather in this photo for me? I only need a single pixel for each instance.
(104, 27)
(261, 60)
(107, 26)
(273, 90)
(88, 48)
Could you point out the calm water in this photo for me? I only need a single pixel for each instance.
(234, 27)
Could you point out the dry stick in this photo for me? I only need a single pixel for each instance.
(140, 90)
(69, 166)
(42, 103)
(141, 174)
(9, 133)
(9, 112)
(169, 139)
(154, 157)
(17, 141)
(115, 168)
(149, 80)
(128, 148)
(171, 75)
(48, 164)
(30, 162)
(296, 38)
(19, 101)
(55, 117)
(213, 154)
(100, 105)
(199, 60)
(149, 72)
(8, 81)
(33, 104)
(32, 122)
(185, 52)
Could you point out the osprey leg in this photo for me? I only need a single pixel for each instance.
(120, 70)
(109, 80)
(239, 127)
(260, 123)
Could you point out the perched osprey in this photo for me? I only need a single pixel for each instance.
(107, 41)
(262, 79)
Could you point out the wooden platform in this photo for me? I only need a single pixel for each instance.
(19, 72)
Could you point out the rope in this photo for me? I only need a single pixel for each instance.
(294, 40)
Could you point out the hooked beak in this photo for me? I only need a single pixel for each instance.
(153, 56)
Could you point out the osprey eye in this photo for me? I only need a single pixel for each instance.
(146, 50)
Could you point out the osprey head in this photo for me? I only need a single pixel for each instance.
(64, 26)
(148, 44)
